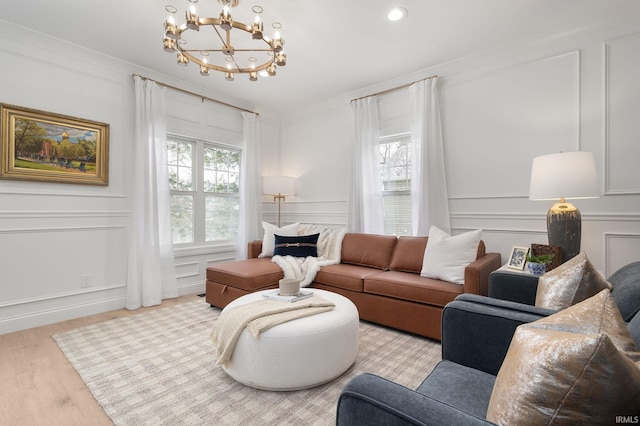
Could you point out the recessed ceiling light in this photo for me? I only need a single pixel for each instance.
(397, 14)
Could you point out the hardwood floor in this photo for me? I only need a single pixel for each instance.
(38, 384)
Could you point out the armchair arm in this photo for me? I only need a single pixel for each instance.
(476, 274)
(514, 286)
(506, 304)
(478, 335)
(368, 399)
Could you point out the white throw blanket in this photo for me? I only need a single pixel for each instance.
(259, 316)
(306, 268)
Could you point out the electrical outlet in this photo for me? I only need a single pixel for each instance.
(86, 280)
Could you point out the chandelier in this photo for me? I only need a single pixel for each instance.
(251, 52)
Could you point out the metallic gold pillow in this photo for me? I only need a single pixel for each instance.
(597, 315)
(573, 367)
(572, 282)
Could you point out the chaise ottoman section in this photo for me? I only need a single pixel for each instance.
(229, 280)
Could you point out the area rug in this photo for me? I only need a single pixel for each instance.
(158, 368)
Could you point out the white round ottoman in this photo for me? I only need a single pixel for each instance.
(298, 354)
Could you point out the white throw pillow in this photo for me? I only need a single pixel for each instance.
(269, 239)
(447, 256)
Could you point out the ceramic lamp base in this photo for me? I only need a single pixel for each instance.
(564, 229)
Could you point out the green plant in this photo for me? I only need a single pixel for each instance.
(540, 258)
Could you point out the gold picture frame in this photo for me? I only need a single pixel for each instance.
(518, 257)
(42, 146)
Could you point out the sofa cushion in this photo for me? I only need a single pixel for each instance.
(408, 254)
(300, 246)
(446, 256)
(568, 368)
(412, 287)
(464, 388)
(572, 282)
(249, 275)
(370, 250)
(349, 277)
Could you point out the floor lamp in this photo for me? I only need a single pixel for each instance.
(566, 175)
(279, 187)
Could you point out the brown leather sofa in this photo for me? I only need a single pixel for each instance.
(380, 274)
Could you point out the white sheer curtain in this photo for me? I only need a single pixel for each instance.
(249, 225)
(365, 211)
(151, 274)
(429, 199)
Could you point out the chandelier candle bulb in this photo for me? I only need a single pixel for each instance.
(171, 31)
(257, 28)
(228, 76)
(203, 68)
(225, 17)
(169, 45)
(192, 18)
(183, 61)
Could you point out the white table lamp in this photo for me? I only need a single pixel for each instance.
(566, 175)
(279, 187)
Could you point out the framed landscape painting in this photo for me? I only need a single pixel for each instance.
(42, 146)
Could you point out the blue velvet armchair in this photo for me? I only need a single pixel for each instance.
(476, 333)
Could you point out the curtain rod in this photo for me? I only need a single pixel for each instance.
(393, 89)
(195, 94)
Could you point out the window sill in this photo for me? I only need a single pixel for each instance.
(203, 249)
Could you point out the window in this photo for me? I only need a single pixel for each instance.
(395, 167)
(204, 183)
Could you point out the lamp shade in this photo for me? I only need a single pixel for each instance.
(279, 185)
(567, 175)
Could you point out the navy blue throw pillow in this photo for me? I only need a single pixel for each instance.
(301, 246)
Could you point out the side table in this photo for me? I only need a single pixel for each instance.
(511, 284)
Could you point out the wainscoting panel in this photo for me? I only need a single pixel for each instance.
(513, 113)
(192, 263)
(329, 213)
(621, 249)
(622, 109)
(39, 263)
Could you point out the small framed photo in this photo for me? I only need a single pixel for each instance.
(518, 257)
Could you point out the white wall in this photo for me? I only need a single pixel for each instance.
(53, 234)
(573, 91)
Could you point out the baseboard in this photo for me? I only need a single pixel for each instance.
(62, 313)
(192, 288)
(50, 316)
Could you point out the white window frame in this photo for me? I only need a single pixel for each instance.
(386, 193)
(198, 192)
